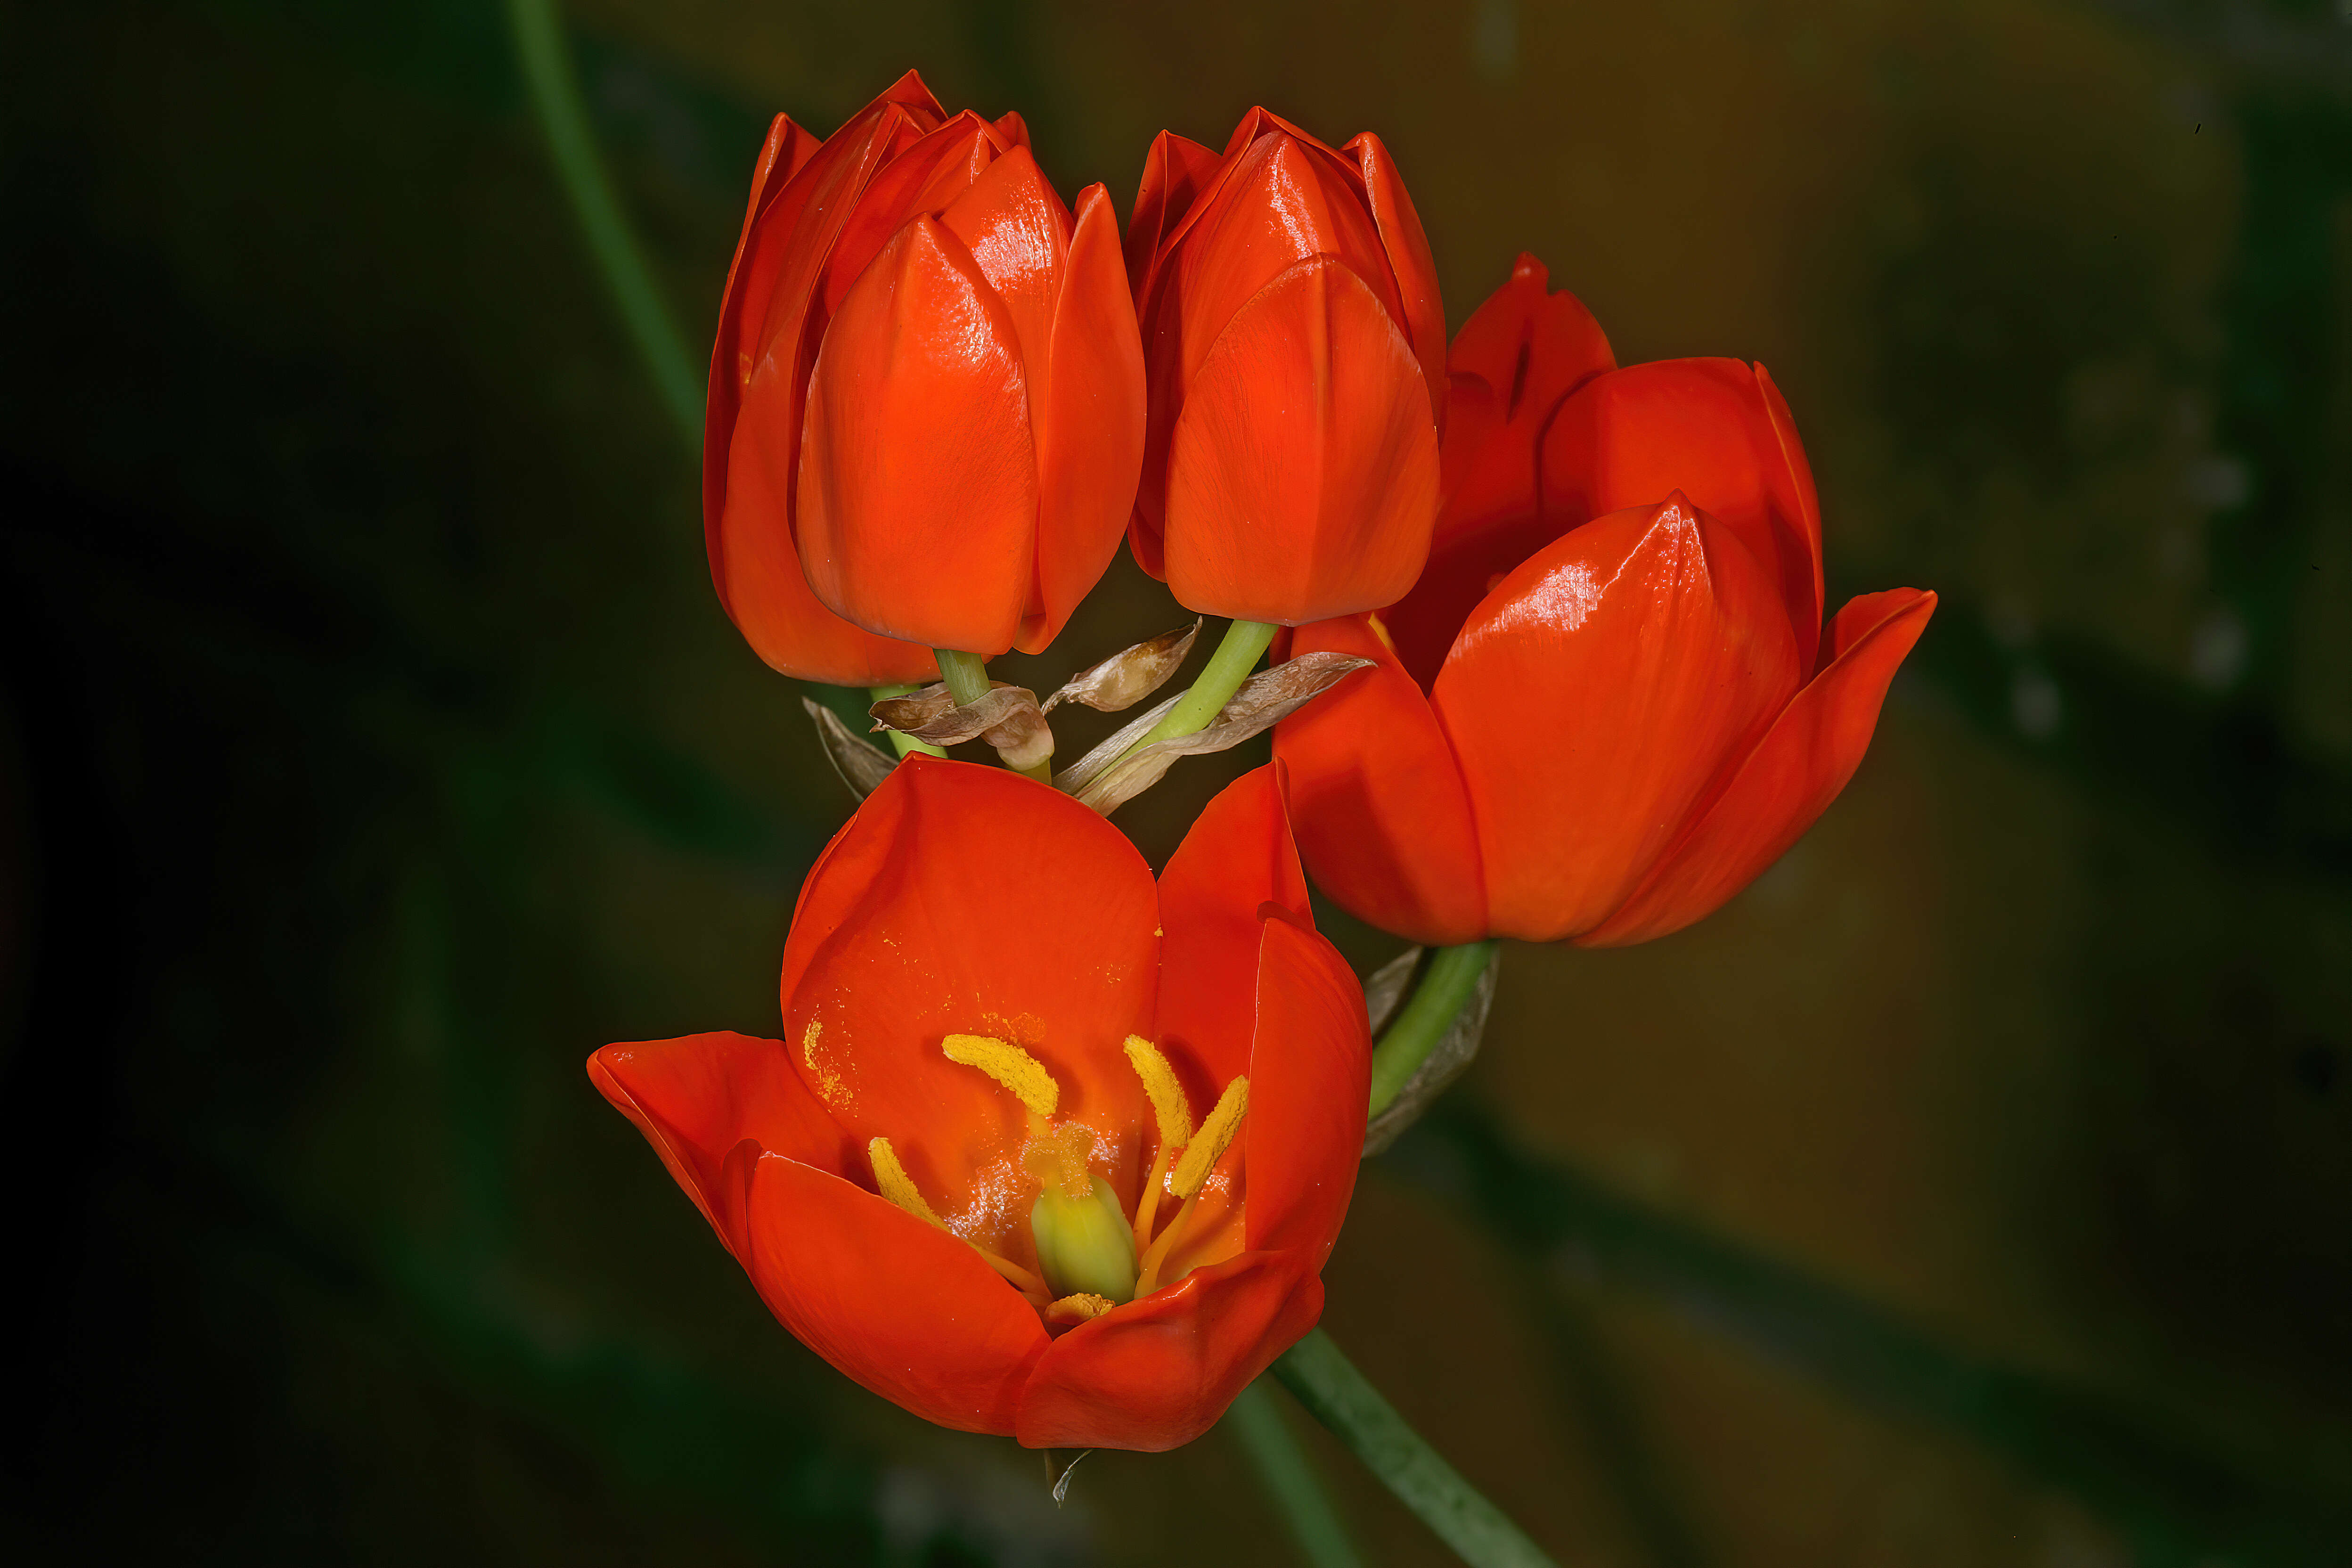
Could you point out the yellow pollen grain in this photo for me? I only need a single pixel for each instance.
(895, 1185)
(1082, 1308)
(1057, 1156)
(1168, 1102)
(1215, 1134)
(1009, 1065)
(828, 1082)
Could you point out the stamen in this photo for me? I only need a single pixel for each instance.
(1167, 1103)
(1147, 1276)
(1148, 1208)
(897, 1186)
(1208, 1146)
(1057, 1156)
(1009, 1065)
(1083, 1308)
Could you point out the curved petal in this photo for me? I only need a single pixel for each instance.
(968, 899)
(1281, 202)
(1156, 1373)
(918, 482)
(1514, 360)
(1017, 232)
(1382, 815)
(1310, 1077)
(923, 178)
(1238, 857)
(1408, 254)
(1302, 482)
(906, 1310)
(697, 1097)
(1786, 782)
(1801, 473)
(1090, 430)
(1175, 172)
(1596, 698)
(1703, 427)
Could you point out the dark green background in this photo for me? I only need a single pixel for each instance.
(1976, 1189)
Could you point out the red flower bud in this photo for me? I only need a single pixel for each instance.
(1608, 704)
(1296, 352)
(1048, 1151)
(926, 411)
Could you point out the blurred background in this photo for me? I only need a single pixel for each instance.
(1975, 1189)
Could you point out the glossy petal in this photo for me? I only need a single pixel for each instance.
(747, 522)
(1017, 232)
(1156, 1373)
(1423, 317)
(1382, 815)
(1302, 480)
(1310, 1077)
(928, 177)
(967, 899)
(908, 1310)
(1237, 858)
(922, 358)
(1705, 427)
(1597, 696)
(1514, 362)
(1785, 784)
(1175, 172)
(1090, 430)
(696, 1098)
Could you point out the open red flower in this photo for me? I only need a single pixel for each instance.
(1609, 704)
(1052, 1151)
(1296, 353)
(926, 412)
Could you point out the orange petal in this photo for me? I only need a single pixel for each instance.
(1156, 1373)
(696, 1098)
(905, 1310)
(1302, 482)
(968, 899)
(929, 175)
(1175, 172)
(1018, 232)
(918, 502)
(1237, 858)
(1090, 429)
(1705, 427)
(1310, 1076)
(1408, 253)
(1382, 815)
(1596, 697)
(1786, 782)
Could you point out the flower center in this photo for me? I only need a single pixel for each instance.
(1092, 1255)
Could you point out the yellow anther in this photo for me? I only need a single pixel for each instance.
(1082, 1308)
(1009, 1065)
(1209, 1144)
(895, 1185)
(1168, 1102)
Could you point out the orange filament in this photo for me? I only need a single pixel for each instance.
(1147, 1208)
(1146, 1274)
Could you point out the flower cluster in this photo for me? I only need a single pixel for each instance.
(1048, 1147)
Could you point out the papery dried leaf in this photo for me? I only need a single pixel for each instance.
(1130, 676)
(1006, 717)
(1448, 1060)
(861, 767)
(1110, 775)
(1384, 987)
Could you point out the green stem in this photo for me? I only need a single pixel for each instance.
(1244, 644)
(555, 97)
(966, 675)
(1336, 1394)
(1290, 1478)
(1447, 983)
(906, 745)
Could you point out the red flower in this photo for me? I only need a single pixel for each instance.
(1609, 704)
(926, 399)
(1296, 352)
(985, 1179)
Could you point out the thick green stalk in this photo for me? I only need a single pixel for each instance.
(555, 97)
(906, 745)
(1336, 1394)
(1290, 1478)
(1244, 644)
(1447, 983)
